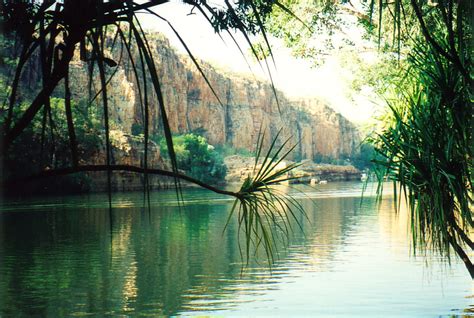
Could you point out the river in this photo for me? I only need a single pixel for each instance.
(68, 256)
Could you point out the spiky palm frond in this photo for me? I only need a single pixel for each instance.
(265, 213)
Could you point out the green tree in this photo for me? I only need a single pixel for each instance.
(197, 158)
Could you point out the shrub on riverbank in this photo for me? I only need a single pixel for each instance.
(197, 158)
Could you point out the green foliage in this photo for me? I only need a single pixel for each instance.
(260, 52)
(226, 150)
(380, 75)
(137, 129)
(49, 147)
(197, 158)
(318, 158)
(264, 211)
(426, 148)
(364, 159)
(87, 125)
(311, 20)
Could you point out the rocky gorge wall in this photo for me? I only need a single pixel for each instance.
(248, 106)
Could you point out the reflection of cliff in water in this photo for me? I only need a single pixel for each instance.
(161, 262)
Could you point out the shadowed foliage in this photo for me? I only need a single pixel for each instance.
(426, 149)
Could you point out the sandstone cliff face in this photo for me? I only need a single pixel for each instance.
(247, 107)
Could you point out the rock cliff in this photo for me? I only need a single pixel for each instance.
(247, 107)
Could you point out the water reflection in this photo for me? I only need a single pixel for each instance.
(62, 259)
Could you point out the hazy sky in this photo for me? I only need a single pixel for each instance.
(295, 77)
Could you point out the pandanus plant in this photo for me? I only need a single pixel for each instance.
(427, 150)
(427, 146)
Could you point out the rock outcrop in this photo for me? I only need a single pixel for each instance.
(239, 168)
(128, 150)
(246, 106)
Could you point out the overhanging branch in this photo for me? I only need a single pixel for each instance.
(126, 168)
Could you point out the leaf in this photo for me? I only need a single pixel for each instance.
(109, 62)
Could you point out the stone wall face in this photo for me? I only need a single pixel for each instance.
(247, 106)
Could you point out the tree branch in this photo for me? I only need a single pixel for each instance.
(464, 236)
(462, 255)
(128, 168)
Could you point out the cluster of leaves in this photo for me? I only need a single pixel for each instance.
(361, 159)
(197, 158)
(379, 75)
(265, 213)
(245, 15)
(426, 148)
(312, 37)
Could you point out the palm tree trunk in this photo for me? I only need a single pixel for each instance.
(462, 255)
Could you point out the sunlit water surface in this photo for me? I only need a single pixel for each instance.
(68, 256)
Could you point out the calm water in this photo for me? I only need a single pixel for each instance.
(66, 257)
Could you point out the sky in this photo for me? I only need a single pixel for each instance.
(296, 77)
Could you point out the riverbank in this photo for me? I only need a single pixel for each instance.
(239, 167)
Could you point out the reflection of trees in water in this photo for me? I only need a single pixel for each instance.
(160, 263)
(40, 271)
(395, 229)
(71, 261)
